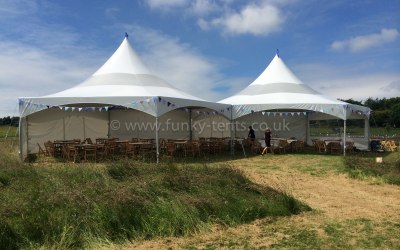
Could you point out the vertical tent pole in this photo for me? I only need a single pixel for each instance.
(157, 144)
(344, 137)
(20, 139)
(190, 125)
(63, 127)
(367, 133)
(84, 128)
(232, 142)
(108, 123)
(307, 128)
(27, 136)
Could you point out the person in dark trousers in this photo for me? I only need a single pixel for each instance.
(251, 134)
(267, 138)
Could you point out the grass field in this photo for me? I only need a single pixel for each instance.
(352, 207)
(8, 131)
(66, 205)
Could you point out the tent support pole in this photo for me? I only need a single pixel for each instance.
(190, 125)
(367, 132)
(344, 137)
(20, 139)
(108, 123)
(84, 128)
(27, 137)
(63, 127)
(232, 142)
(157, 144)
(307, 128)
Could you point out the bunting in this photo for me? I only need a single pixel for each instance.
(132, 104)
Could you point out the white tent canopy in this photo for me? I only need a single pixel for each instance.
(87, 110)
(124, 81)
(277, 88)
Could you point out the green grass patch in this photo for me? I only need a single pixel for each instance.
(62, 205)
(349, 234)
(9, 131)
(364, 166)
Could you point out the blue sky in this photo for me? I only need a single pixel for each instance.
(209, 48)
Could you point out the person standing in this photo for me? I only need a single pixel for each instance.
(251, 134)
(267, 138)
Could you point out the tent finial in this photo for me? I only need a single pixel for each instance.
(277, 52)
(126, 35)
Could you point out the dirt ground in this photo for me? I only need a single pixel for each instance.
(332, 197)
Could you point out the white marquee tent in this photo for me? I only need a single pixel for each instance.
(122, 90)
(277, 92)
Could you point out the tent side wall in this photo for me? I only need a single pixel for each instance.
(360, 142)
(55, 124)
(176, 124)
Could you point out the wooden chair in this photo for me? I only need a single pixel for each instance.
(130, 151)
(170, 150)
(280, 146)
(349, 146)
(70, 153)
(147, 151)
(298, 146)
(321, 146)
(49, 146)
(256, 147)
(102, 152)
(196, 148)
(42, 151)
(89, 151)
(335, 147)
(88, 141)
(315, 144)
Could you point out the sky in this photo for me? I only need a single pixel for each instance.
(209, 48)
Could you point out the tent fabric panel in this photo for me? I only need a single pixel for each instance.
(74, 126)
(280, 87)
(126, 79)
(47, 125)
(127, 124)
(209, 125)
(96, 126)
(280, 98)
(334, 110)
(82, 125)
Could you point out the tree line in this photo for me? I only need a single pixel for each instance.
(13, 121)
(385, 112)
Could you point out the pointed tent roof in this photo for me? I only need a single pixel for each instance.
(278, 88)
(122, 80)
(124, 73)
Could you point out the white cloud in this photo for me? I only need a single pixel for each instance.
(204, 7)
(360, 43)
(252, 19)
(31, 71)
(161, 4)
(339, 82)
(180, 64)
